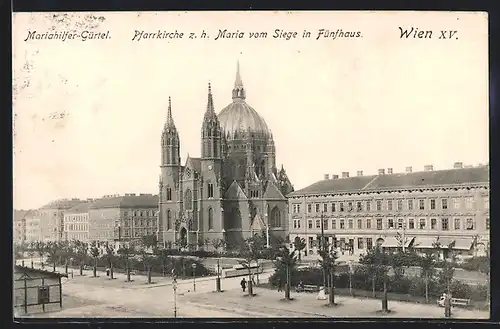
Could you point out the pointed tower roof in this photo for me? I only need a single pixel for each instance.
(210, 112)
(169, 124)
(238, 82)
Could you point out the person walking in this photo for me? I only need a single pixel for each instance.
(243, 284)
(280, 284)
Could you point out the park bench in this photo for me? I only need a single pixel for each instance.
(307, 288)
(460, 302)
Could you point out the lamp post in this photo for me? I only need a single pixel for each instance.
(174, 287)
(193, 266)
(217, 281)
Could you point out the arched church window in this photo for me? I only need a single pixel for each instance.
(210, 190)
(169, 219)
(188, 200)
(275, 217)
(210, 219)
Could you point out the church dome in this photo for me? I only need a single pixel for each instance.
(239, 116)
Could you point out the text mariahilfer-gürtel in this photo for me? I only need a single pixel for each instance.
(67, 35)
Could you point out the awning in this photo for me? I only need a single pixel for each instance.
(463, 244)
(393, 242)
(424, 242)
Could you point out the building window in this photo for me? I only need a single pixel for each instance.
(433, 204)
(275, 217)
(457, 224)
(433, 223)
(334, 224)
(379, 223)
(421, 204)
(351, 223)
(310, 224)
(369, 243)
(390, 223)
(349, 206)
(360, 243)
(333, 207)
(368, 223)
(342, 224)
(169, 194)
(318, 223)
(210, 190)
(210, 219)
(389, 205)
(410, 204)
(341, 206)
(379, 205)
(317, 207)
(470, 224)
(298, 208)
(444, 203)
(400, 223)
(487, 223)
(188, 200)
(359, 206)
(325, 207)
(169, 220)
(411, 224)
(311, 242)
(486, 203)
(422, 224)
(468, 203)
(360, 223)
(368, 206)
(294, 223)
(444, 224)
(309, 208)
(400, 205)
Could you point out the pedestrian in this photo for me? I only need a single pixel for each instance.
(243, 284)
(280, 285)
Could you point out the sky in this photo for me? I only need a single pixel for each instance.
(333, 105)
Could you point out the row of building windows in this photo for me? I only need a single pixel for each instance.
(390, 205)
(413, 224)
(76, 218)
(141, 213)
(76, 227)
(140, 222)
(210, 193)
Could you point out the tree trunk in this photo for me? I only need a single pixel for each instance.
(250, 285)
(54, 266)
(385, 307)
(287, 286)
(149, 274)
(111, 270)
(300, 256)
(331, 292)
(32, 263)
(81, 268)
(128, 270)
(373, 287)
(426, 288)
(95, 267)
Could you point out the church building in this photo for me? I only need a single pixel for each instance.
(234, 190)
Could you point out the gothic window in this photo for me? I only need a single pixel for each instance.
(210, 190)
(210, 219)
(169, 194)
(188, 200)
(275, 217)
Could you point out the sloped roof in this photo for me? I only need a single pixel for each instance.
(235, 192)
(62, 204)
(196, 163)
(272, 192)
(81, 208)
(126, 201)
(417, 179)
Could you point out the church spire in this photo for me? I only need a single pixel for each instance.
(210, 112)
(170, 120)
(238, 90)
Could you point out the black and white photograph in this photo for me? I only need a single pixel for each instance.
(251, 164)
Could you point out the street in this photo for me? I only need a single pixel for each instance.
(87, 296)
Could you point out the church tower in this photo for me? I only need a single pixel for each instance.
(169, 184)
(211, 187)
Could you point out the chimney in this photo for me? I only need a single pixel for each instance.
(345, 174)
(458, 165)
(360, 173)
(381, 171)
(335, 176)
(408, 169)
(327, 176)
(389, 171)
(428, 168)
